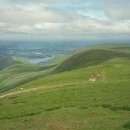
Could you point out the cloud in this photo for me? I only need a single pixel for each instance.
(29, 14)
(118, 12)
(117, 9)
(65, 17)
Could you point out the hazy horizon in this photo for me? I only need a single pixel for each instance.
(64, 19)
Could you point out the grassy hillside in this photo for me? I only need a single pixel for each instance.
(22, 71)
(18, 74)
(68, 99)
(89, 58)
(6, 61)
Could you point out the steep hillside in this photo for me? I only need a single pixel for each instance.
(18, 74)
(22, 71)
(6, 61)
(88, 58)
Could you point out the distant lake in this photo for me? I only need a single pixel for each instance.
(38, 51)
(40, 60)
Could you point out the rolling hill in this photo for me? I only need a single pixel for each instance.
(89, 58)
(17, 74)
(67, 98)
(20, 73)
(6, 61)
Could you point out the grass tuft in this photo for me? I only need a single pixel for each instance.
(127, 125)
(116, 108)
(53, 108)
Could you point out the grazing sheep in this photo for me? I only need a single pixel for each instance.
(21, 88)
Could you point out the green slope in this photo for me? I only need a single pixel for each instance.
(88, 58)
(68, 100)
(6, 61)
(18, 74)
(16, 71)
(120, 65)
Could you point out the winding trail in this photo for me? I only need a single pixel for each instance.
(39, 88)
(20, 91)
(46, 88)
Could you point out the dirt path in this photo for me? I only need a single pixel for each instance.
(30, 90)
(20, 91)
(44, 88)
(38, 88)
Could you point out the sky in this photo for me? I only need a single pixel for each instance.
(64, 19)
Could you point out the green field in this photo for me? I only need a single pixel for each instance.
(62, 96)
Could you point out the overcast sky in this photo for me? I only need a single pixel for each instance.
(46, 19)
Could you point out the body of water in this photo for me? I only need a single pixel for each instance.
(38, 51)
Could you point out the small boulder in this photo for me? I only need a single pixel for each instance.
(92, 79)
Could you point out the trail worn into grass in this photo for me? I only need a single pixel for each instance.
(40, 88)
(20, 91)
